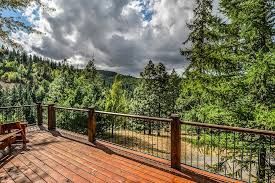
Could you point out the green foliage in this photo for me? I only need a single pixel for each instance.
(116, 100)
(230, 79)
(157, 91)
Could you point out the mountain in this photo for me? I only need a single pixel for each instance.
(108, 76)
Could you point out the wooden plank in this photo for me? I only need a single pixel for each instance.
(118, 165)
(70, 175)
(180, 177)
(145, 177)
(99, 172)
(53, 163)
(70, 166)
(84, 149)
(73, 165)
(123, 163)
(55, 175)
(46, 177)
(4, 177)
(32, 176)
(107, 169)
(106, 165)
(16, 173)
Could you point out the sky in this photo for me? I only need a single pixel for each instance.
(122, 35)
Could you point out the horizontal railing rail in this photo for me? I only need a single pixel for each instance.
(230, 128)
(24, 113)
(72, 109)
(135, 116)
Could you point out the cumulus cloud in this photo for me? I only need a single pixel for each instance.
(122, 34)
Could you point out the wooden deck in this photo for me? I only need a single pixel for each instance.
(51, 158)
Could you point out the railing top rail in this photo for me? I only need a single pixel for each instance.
(168, 120)
(230, 128)
(16, 107)
(72, 109)
(136, 116)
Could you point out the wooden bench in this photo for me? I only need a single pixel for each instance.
(17, 127)
(6, 140)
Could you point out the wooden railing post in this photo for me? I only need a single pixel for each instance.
(91, 125)
(262, 159)
(175, 142)
(39, 114)
(51, 117)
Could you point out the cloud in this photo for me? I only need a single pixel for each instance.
(122, 34)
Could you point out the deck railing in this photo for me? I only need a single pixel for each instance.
(73, 120)
(139, 133)
(26, 113)
(239, 153)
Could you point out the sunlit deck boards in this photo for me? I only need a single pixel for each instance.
(56, 159)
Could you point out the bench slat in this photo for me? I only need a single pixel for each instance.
(9, 135)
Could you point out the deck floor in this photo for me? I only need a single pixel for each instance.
(51, 158)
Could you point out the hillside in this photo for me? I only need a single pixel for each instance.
(109, 76)
(16, 67)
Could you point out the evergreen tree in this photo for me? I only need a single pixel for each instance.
(173, 90)
(248, 43)
(145, 94)
(160, 89)
(116, 99)
(157, 91)
(196, 90)
(90, 69)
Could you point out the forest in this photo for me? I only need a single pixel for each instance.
(30, 79)
(230, 79)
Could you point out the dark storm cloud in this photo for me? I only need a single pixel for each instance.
(116, 32)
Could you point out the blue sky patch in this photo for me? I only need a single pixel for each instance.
(146, 11)
(18, 15)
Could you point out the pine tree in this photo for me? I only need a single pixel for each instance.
(155, 95)
(148, 85)
(173, 90)
(200, 37)
(259, 49)
(249, 43)
(160, 89)
(116, 99)
(195, 90)
(90, 70)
